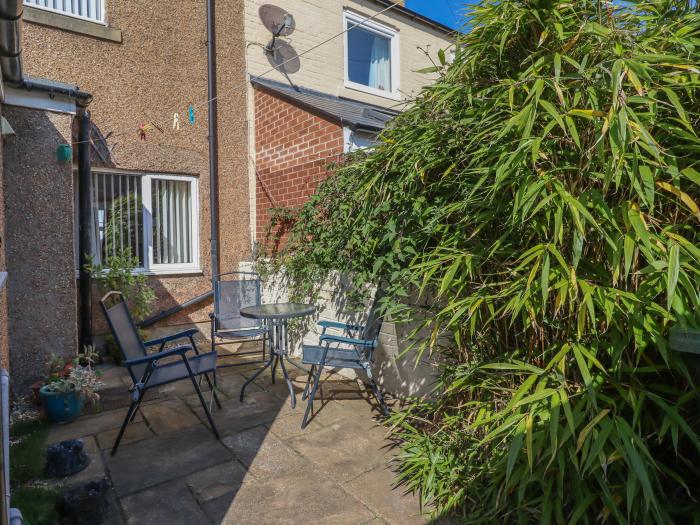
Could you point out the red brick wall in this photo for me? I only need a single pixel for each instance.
(292, 149)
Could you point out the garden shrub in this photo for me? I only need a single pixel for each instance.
(541, 197)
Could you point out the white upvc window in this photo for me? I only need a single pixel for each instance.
(371, 56)
(90, 10)
(357, 140)
(155, 216)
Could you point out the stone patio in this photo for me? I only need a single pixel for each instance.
(170, 468)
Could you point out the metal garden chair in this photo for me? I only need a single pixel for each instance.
(146, 370)
(233, 291)
(355, 349)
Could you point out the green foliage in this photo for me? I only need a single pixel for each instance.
(541, 198)
(27, 452)
(117, 273)
(37, 504)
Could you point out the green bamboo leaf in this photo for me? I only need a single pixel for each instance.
(544, 279)
(587, 429)
(672, 272)
(528, 439)
(516, 446)
(629, 247)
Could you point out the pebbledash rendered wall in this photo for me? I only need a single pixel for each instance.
(38, 198)
(146, 64)
(4, 341)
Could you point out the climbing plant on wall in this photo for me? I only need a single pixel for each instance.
(537, 207)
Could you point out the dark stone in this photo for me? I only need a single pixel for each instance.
(84, 505)
(66, 458)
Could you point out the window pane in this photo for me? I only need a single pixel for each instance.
(117, 212)
(369, 59)
(172, 221)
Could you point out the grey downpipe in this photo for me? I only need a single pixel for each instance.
(9, 515)
(11, 40)
(213, 137)
(84, 226)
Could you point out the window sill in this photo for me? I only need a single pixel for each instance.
(391, 95)
(189, 272)
(171, 272)
(69, 23)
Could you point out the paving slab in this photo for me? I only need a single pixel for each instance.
(230, 384)
(289, 500)
(170, 503)
(257, 408)
(149, 462)
(344, 450)
(87, 425)
(289, 425)
(217, 481)
(135, 431)
(395, 505)
(265, 455)
(329, 412)
(169, 415)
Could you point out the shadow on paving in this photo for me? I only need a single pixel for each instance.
(170, 468)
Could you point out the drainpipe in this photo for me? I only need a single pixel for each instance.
(84, 225)
(213, 138)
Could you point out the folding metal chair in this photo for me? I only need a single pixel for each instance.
(355, 349)
(146, 370)
(233, 291)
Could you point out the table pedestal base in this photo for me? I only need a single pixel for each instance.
(278, 354)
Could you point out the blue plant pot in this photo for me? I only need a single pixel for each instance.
(61, 407)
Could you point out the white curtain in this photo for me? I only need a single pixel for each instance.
(380, 65)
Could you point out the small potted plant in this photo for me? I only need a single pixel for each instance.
(63, 396)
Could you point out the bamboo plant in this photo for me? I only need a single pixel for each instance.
(537, 210)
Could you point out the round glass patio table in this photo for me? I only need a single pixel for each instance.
(275, 316)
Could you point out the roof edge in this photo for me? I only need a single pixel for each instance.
(265, 84)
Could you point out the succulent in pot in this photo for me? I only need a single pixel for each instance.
(64, 396)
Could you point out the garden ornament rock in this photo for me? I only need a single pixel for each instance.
(66, 458)
(84, 504)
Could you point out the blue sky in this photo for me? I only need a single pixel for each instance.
(444, 11)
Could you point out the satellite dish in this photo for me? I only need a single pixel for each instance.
(277, 21)
(284, 59)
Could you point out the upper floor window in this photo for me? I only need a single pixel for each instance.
(92, 10)
(371, 56)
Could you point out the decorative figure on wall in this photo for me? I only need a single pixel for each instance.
(190, 112)
(147, 127)
(144, 129)
(176, 121)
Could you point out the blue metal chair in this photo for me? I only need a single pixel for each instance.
(355, 349)
(233, 291)
(146, 370)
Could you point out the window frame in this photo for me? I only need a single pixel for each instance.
(351, 18)
(150, 268)
(351, 142)
(101, 21)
